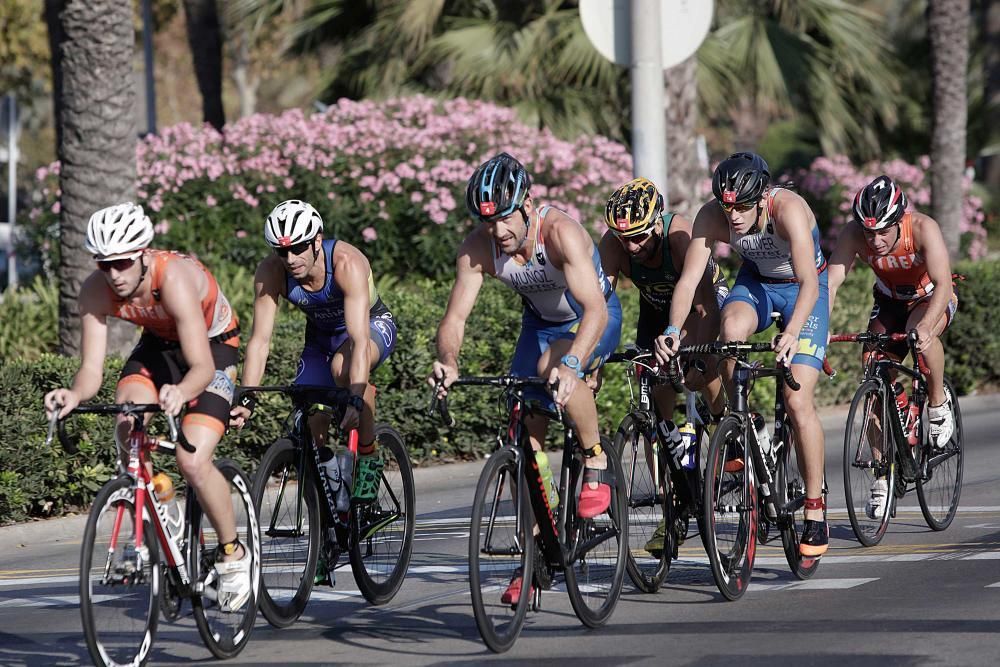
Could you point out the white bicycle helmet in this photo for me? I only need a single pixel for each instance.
(292, 222)
(118, 232)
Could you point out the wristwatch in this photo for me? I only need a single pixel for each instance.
(672, 330)
(572, 362)
(356, 402)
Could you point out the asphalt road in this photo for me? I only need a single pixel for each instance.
(918, 598)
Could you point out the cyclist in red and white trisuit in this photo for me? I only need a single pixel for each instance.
(187, 354)
(912, 289)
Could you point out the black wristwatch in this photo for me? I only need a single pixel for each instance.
(356, 402)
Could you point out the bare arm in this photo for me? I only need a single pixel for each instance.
(267, 288)
(709, 227)
(612, 256)
(680, 240)
(796, 226)
(352, 275)
(469, 268)
(930, 243)
(182, 287)
(849, 243)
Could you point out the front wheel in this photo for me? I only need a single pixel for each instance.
(382, 539)
(940, 486)
(286, 496)
(870, 462)
(649, 506)
(730, 508)
(501, 548)
(598, 549)
(225, 633)
(119, 587)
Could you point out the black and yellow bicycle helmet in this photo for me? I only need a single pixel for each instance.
(634, 208)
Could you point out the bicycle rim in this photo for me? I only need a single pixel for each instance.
(791, 488)
(383, 529)
(730, 510)
(869, 455)
(119, 604)
(500, 547)
(599, 552)
(226, 633)
(288, 509)
(649, 511)
(940, 491)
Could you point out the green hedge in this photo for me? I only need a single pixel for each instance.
(36, 481)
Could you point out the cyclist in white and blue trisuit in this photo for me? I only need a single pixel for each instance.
(784, 270)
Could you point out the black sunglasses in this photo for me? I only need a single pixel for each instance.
(123, 264)
(296, 249)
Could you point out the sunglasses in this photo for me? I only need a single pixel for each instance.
(636, 238)
(119, 265)
(296, 249)
(739, 208)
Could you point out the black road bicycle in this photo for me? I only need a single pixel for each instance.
(134, 563)
(299, 515)
(511, 499)
(877, 443)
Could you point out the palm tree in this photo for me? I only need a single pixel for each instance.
(94, 45)
(948, 28)
(205, 37)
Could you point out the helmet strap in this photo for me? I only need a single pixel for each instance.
(899, 235)
(756, 223)
(142, 276)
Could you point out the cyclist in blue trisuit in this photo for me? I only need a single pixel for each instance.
(784, 270)
(571, 320)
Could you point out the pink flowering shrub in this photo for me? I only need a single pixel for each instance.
(389, 176)
(829, 184)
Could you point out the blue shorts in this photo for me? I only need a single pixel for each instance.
(314, 363)
(537, 335)
(766, 298)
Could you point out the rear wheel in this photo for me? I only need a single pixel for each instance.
(730, 509)
(501, 548)
(287, 503)
(225, 633)
(119, 602)
(792, 494)
(382, 539)
(939, 489)
(649, 511)
(869, 462)
(598, 550)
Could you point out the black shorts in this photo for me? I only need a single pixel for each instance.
(891, 315)
(156, 362)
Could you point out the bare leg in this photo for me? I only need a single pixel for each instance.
(809, 439)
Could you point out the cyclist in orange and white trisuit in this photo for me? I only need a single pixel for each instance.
(912, 289)
(187, 355)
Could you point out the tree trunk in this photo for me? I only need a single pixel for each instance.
(991, 46)
(95, 45)
(205, 38)
(246, 82)
(948, 28)
(681, 107)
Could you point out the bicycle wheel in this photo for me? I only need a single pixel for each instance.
(649, 511)
(119, 602)
(730, 509)
(869, 456)
(791, 489)
(382, 539)
(939, 490)
(598, 550)
(287, 502)
(225, 633)
(500, 547)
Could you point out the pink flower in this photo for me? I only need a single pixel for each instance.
(210, 201)
(369, 234)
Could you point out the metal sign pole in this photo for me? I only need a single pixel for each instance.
(11, 187)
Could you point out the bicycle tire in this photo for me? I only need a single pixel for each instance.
(594, 584)
(790, 486)
(225, 634)
(730, 498)
(500, 624)
(105, 647)
(861, 467)
(382, 531)
(645, 512)
(287, 562)
(939, 508)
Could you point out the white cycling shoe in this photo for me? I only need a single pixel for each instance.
(234, 582)
(880, 496)
(942, 424)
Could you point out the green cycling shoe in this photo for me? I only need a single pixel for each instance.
(367, 478)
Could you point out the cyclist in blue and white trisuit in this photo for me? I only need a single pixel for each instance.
(784, 270)
(571, 321)
(349, 331)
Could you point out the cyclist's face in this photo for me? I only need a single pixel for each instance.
(641, 246)
(510, 231)
(882, 241)
(299, 258)
(122, 275)
(741, 217)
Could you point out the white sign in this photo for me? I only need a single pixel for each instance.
(683, 27)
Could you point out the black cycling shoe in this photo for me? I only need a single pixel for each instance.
(815, 539)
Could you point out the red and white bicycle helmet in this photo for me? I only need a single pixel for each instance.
(879, 205)
(291, 222)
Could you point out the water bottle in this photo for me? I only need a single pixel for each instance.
(909, 415)
(164, 488)
(671, 439)
(545, 470)
(345, 462)
(689, 440)
(763, 437)
(329, 469)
